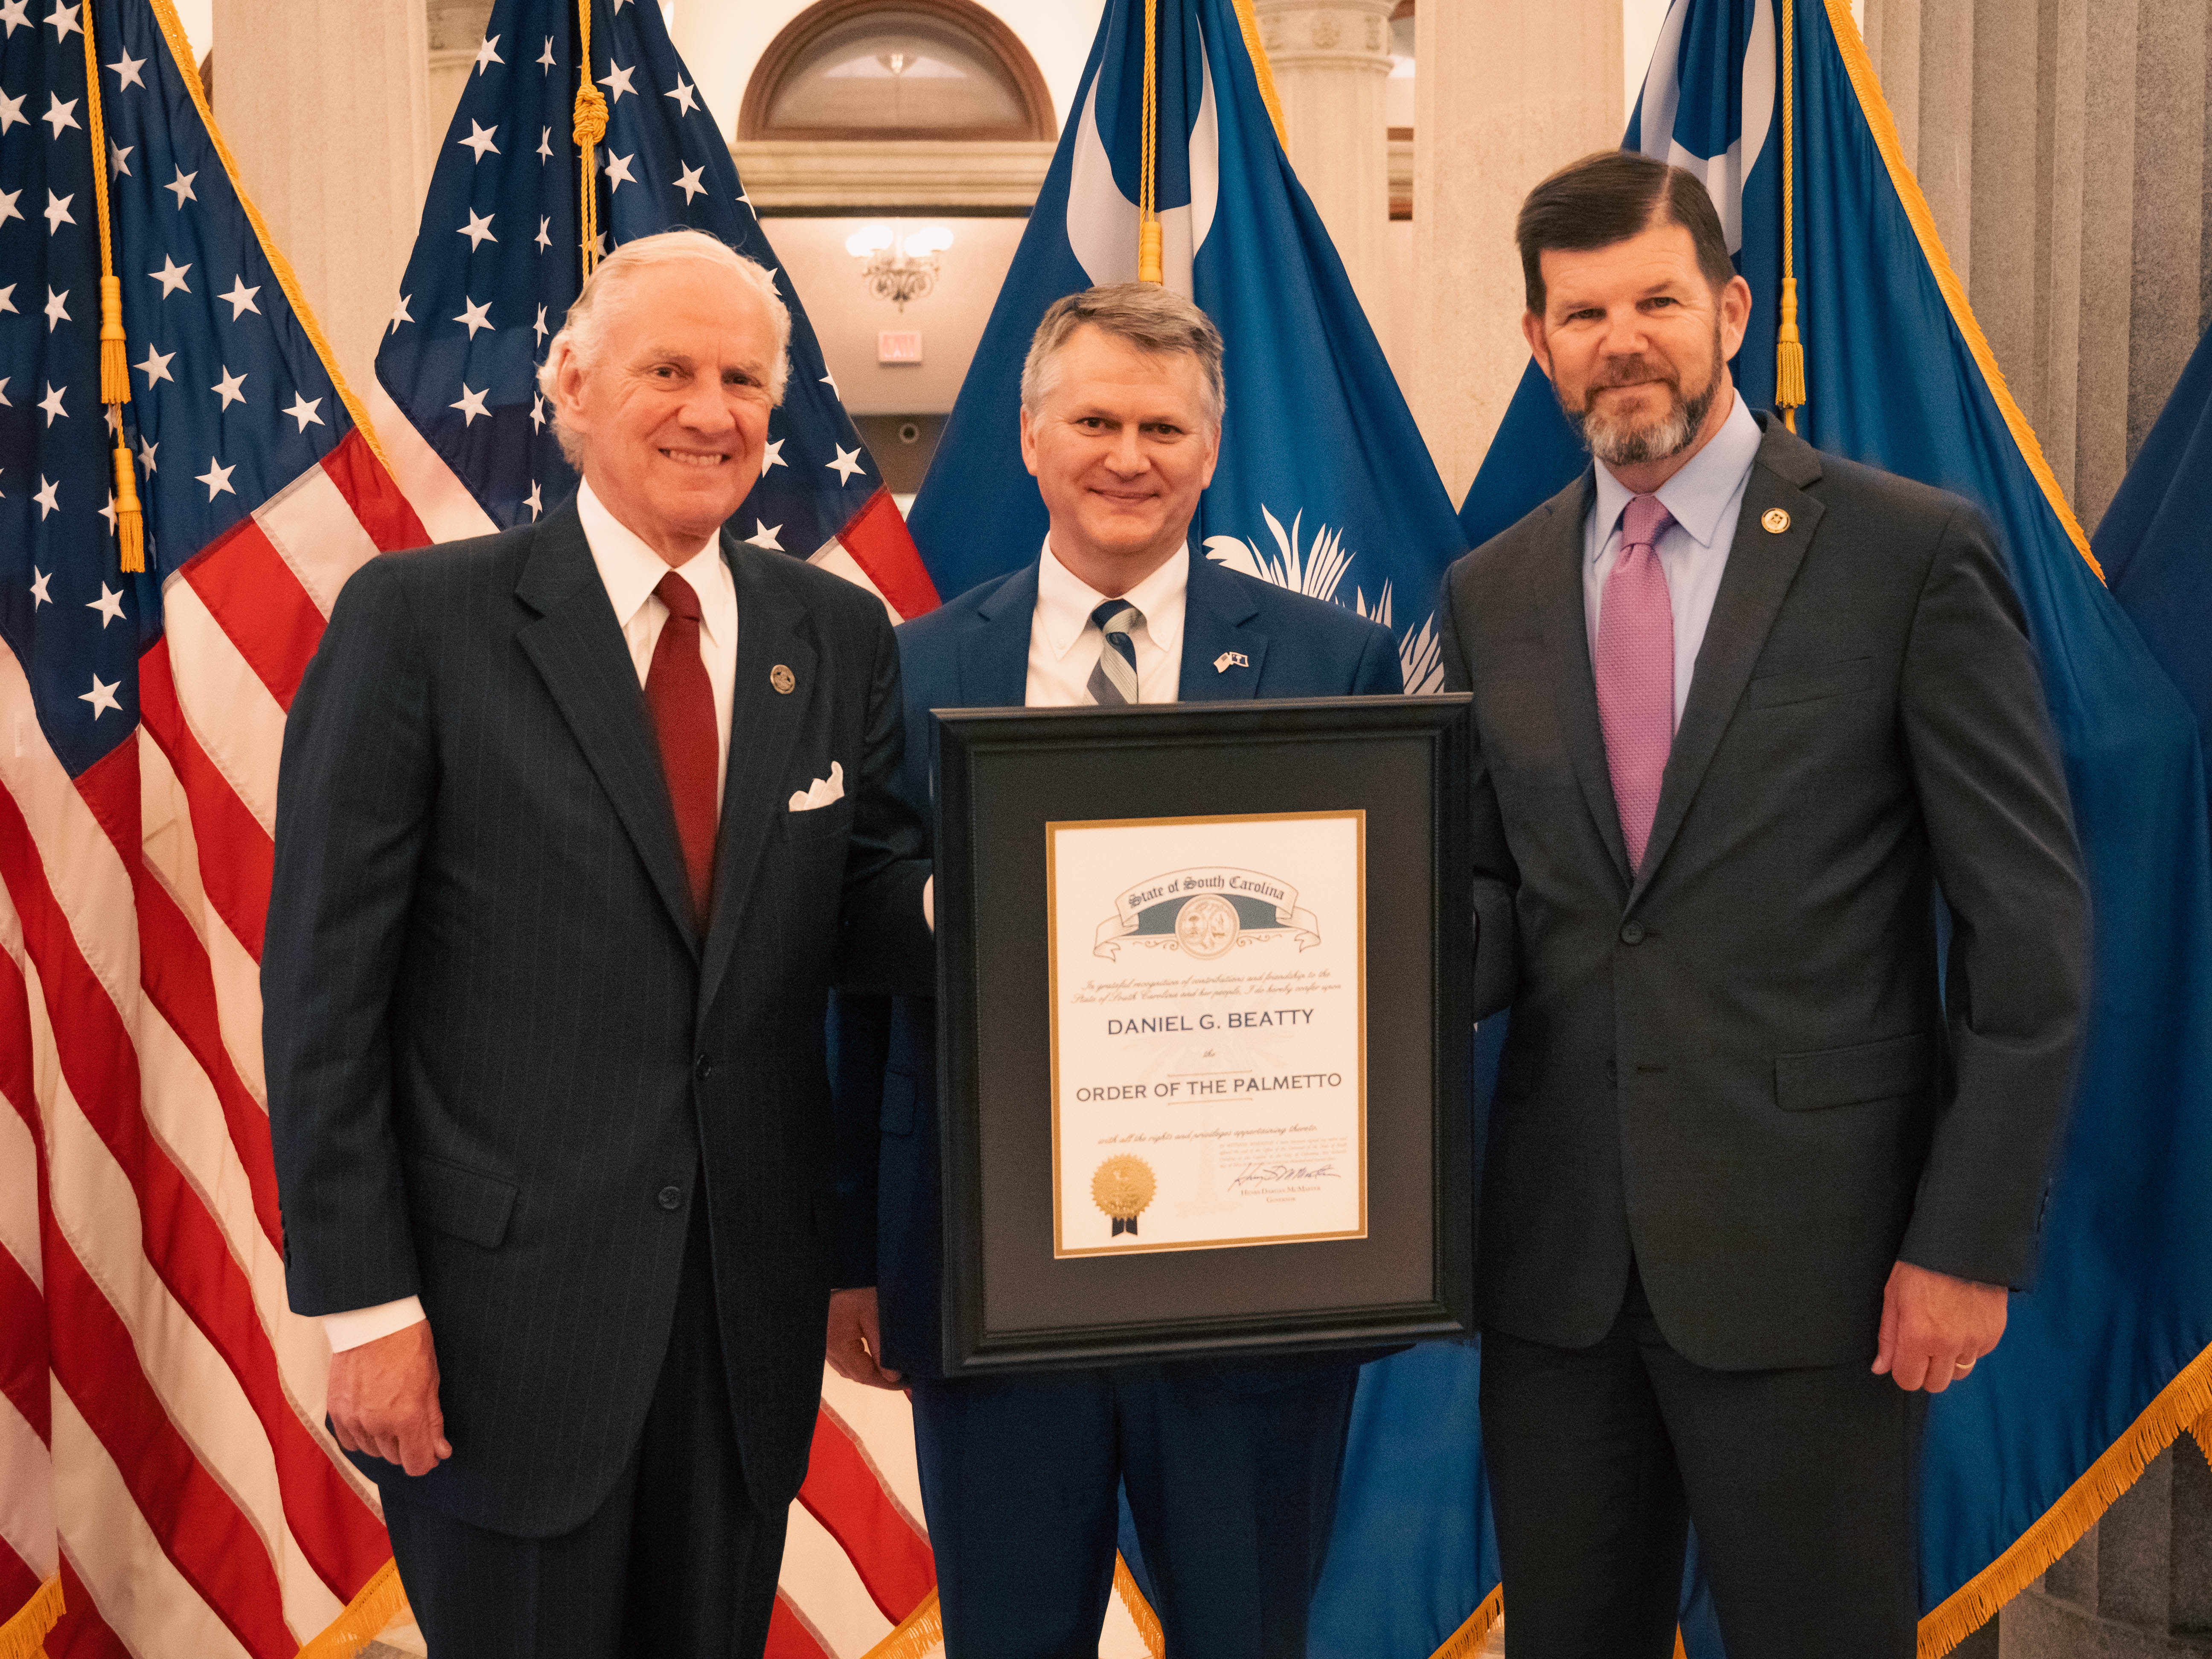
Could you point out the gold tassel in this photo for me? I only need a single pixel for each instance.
(129, 523)
(1152, 264)
(589, 125)
(114, 359)
(1788, 359)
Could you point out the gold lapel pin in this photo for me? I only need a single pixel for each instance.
(1775, 519)
(782, 678)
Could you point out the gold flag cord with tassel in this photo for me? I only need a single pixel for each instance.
(1789, 347)
(591, 126)
(1249, 23)
(114, 356)
(1152, 264)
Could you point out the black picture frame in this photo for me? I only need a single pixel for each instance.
(1003, 775)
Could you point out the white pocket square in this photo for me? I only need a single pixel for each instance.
(822, 792)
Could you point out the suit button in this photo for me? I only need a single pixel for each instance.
(1612, 1072)
(672, 1198)
(1632, 934)
(703, 1068)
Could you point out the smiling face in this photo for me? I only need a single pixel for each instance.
(672, 406)
(1636, 344)
(1122, 443)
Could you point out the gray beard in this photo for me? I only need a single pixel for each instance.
(1621, 444)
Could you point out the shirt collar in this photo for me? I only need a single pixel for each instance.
(1065, 602)
(1698, 495)
(629, 569)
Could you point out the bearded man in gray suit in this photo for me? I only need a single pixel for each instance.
(1754, 723)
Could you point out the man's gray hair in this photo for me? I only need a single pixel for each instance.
(581, 329)
(1150, 318)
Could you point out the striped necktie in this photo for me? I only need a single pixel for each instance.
(1114, 681)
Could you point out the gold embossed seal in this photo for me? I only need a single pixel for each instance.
(1122, 1187)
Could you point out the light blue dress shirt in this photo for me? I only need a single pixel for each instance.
(1706, 499)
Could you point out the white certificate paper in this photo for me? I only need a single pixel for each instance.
(1209, 1031)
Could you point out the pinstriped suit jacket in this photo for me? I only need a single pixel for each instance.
(500, 1056)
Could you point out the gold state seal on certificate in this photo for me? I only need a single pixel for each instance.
(1122, 1187)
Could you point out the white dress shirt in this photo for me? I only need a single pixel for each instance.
(630, 571)
(1065, 643)
(1706, 499)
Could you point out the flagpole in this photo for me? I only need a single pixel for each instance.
(114, 352)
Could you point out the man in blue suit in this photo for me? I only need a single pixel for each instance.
(1230, 1467)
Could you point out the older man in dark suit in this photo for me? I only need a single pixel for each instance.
(580, 823)
(1230, 1467)
(1755, 726)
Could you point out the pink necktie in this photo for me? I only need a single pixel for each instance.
(1636, 671)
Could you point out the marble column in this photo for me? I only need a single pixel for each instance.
(1505, 92)
(1330, 58)
(2062, 144)
(324, 107)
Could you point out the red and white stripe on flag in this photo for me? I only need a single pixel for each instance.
(162, 1457)
(859, 1580)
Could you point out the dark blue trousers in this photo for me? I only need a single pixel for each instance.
(1233, 1487)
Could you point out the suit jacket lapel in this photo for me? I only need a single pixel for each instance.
(1762, 563)
(579, 651)
(764, 727)
(1222, 654)
(994, 660)
(1565, 623)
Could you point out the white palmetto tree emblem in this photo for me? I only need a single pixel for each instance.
(1317, 571)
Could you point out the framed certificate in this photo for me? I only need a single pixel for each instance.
(1203, 998)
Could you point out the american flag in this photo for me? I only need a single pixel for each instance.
(163, 1467)
(497, 262)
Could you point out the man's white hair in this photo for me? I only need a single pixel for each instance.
(581, 331)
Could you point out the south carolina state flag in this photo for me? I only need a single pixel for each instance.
(2108, 1360)
(1324, 483)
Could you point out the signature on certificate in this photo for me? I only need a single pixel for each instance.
(1267, 1174)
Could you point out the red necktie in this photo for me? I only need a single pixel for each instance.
(1636, 671)
(682, 700)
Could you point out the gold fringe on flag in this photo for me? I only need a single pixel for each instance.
(1247, 22)
(1789, 348)
(1140, 1610)
(114, 353)
(1466, 1641)
(381, 1600)
(921, 1633)
(25, 1633)
(181, 54)
(590, 126)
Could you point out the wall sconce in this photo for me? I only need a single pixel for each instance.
(899, 268)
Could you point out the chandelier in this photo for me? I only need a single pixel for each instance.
(898, 268)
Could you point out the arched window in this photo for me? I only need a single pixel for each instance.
(897, 69)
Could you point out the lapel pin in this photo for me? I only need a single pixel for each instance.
(1775, 519)
(782, 678)
(1229, 659)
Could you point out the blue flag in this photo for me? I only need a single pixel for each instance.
(2155, 542)
(499, 259)
(1324, 483)
(2108, 1359)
